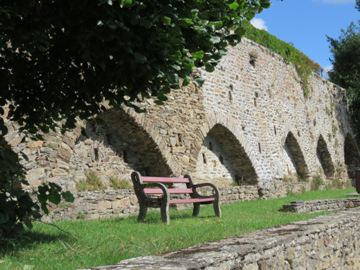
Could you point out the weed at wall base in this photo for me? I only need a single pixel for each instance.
(316, 183)
(91, 182)
(117, 183)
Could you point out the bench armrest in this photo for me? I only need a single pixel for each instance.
(214, 188)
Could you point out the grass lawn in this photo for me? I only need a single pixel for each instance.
(102, 242)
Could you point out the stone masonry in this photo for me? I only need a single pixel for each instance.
(112, 203)
(327, 242)
(248, 125)
(320, 205)
(122, 203)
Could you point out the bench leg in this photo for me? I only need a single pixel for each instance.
(142, 213)
(164, 210)
(196, 209)
(217, 209)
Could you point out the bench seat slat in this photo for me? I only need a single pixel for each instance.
(151, 179)
(171, 190)
(191, 200)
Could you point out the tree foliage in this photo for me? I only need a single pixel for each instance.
(60, 59)
(346, 69)
(17, 206)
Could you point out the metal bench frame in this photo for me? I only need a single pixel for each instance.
(145, 186)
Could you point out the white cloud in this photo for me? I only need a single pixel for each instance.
(259, 24)
(328, 68)
(336, 2)
(325, 71)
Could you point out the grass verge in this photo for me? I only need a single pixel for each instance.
(103, 242)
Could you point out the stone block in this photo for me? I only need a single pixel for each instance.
(35, 144)
(103, 205)
(36, 174)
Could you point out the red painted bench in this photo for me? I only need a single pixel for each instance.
(155, 192)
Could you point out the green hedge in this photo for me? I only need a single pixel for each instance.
(304, 65)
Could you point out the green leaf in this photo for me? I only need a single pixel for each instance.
(216, 24)
(199, 82)
(215, 39)
(234, 5)
(125, 3)
(209, 67)
(44, 208)
(68, 196)
(187, 22)
(159, 102)
(198, 55)
(166, 20)
(173, 81)
(250, 15)
(176, 67)
(186, 81)
(54, 198)
(240, 31)
(161, 97)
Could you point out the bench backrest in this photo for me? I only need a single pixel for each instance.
(165, 180)
(138, 180)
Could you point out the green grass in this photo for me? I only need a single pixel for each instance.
(93, 243)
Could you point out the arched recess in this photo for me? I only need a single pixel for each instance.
(296, 156)
(352, 156)
(325, 157)
(223, 159)
(113, 144)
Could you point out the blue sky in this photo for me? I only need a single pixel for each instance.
(306, 23)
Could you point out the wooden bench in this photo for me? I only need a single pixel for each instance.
(155, 192)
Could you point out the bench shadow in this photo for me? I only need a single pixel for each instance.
(28, 239)
(155, 218)
(352, 195)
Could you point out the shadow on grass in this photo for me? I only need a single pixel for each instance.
(154, 217)
(27, 239)
(353, 195)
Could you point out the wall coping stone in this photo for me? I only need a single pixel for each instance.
(320, 205)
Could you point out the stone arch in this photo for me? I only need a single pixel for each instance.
(151, 128)
(351, 155)
(222, 158)
(324, 157)
(296, 156)
(262, 169)
(114, 144)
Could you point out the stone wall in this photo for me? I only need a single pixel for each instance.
(96, 205)
(112, 203)
(122, 203)
(320, 205)
(249, 124)
(328, 242)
